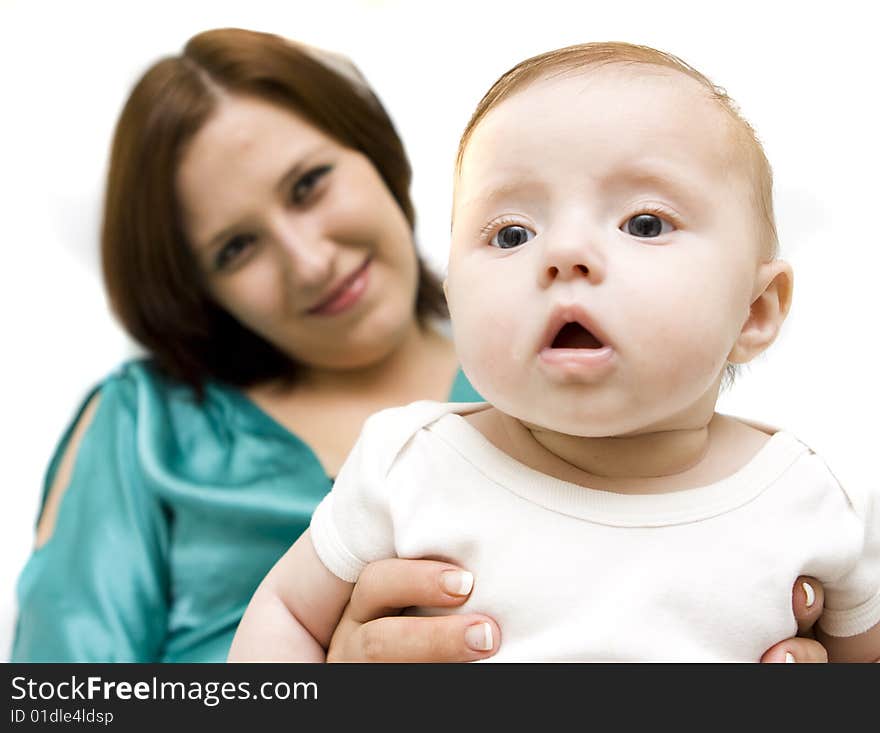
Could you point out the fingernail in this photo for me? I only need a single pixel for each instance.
(789, 657)
(479, 637)
(457, 582)
(810, 594)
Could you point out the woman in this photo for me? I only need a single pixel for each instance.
(258, 241)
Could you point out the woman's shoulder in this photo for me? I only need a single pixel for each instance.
(141, 387)
(216, 437)
(158, 401)
(174, 423)
(135, 375)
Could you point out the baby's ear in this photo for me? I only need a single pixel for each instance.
(771, 301)
(446, 288)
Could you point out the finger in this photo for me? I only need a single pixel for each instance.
(796, 650)
(807, 602)
(386, 586)
(458, 638)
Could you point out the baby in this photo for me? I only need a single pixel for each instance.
(613, 258)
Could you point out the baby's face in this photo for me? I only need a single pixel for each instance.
(604, 252)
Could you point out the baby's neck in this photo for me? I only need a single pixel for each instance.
(669, 459)
(646, 455)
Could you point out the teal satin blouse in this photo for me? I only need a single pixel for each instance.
(175, 511)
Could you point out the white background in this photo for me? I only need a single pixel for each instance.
(804, 75)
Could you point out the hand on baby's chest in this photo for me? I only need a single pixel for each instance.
(563, 589)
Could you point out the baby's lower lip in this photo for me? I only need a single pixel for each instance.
(576, 362)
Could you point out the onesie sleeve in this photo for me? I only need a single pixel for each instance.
(97, 590)
(351, 527)
(852, 601)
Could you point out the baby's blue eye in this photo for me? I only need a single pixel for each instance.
(647, 225)
(512, 236)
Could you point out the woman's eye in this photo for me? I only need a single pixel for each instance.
(303, 187)
(512, 236)
(647, 225)
(230, 251)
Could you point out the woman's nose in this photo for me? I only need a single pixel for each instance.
(571, 257)
(309, 255)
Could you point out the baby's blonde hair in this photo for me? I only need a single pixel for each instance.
(594, 55)
(747, 148)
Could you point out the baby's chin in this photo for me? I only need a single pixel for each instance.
(608, 409)
(574, 429)
(600, 414)
(598, 421)
(577, 421)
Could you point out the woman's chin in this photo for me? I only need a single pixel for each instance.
(360, 354)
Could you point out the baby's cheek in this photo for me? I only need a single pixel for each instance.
(686, 357)
(485, 341)
(485, 353)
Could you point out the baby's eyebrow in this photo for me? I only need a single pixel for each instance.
(674, 183)
(508, 189)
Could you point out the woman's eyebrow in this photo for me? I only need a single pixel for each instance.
(298, 168)
(291, 176)
(285, 181)
(220, 237)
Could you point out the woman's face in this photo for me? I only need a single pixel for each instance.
(298, 237)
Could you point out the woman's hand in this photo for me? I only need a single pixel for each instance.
(807, 605)
(371, 631)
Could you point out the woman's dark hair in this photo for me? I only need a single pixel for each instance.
(150, 272)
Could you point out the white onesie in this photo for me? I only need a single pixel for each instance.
(576, 574)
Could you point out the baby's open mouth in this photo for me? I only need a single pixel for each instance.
(575, 336)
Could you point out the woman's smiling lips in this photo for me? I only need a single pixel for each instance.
(345, 295)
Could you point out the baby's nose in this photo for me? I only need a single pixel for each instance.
(579, 269)
(576, 261)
